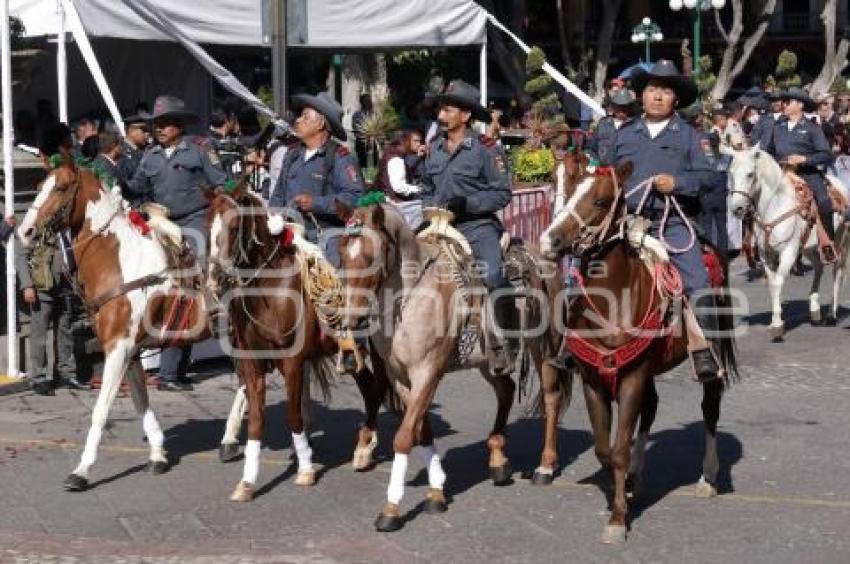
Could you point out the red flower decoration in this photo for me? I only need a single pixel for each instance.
(139, 222)
(287, 236)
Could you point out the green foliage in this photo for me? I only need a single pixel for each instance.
(266, 95)
(785, 75)
(546, 105)
(840, 85)
(533, 165)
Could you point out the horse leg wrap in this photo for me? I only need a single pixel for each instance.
(303, 452)
(252, 462)
(431, 460)
(395, 491)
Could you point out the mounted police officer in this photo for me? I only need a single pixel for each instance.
(172, 174)
(136, 139)
(318, 171)
(467, 175)
(662, 147)
(799, 142)
(622, 107)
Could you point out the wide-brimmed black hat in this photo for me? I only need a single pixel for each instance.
(621, 97)
(666, 72)
(459, 93)
(797, 93)
(325, 105)
(169, 107)
(134, 119)
(755, 97)
(775, 95)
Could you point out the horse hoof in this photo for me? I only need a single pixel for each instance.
(157, 467)
(75, 483)
(389, 519)
(543, 477)
(243, 492)
(388, 523)
(435, 502)
(305, 478)
(363, 459)
(705, 490)
(614, 534)
(228, 452)
(777, 334)
(501, 475)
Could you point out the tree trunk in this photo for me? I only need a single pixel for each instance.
(734, 61)
(562, 35)
(610, 9)
(835, 60)
(363, 74)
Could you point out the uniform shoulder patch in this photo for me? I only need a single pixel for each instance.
(486, 140)
(342, 151)
(202, 141)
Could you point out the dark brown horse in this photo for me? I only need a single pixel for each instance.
(127, 286)
(419, 311)
(624, 329)
(261, 283)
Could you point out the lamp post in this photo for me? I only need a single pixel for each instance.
(698, 6)
(647, 31)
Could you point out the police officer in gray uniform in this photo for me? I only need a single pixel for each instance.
(133, 147)
(622, 106)
(467, 175)
(318, 171)
(661, 146)
(796, 140)
(172, 174)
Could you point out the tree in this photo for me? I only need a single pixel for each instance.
(835, 58)
(735, 59)
(562, 36)
(610, 10)
(785, 75)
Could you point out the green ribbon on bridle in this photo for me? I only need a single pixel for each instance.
(372, 198)
(230, 186)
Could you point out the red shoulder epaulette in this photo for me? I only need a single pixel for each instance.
(342, 151)
(486, 140)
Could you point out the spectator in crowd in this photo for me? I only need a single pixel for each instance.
(712, 211)
(415, 158)
(136, 140)
(395, 180)
(109, 155)
(48, 294)
(842, 107)
(827, 119)
(84, 129)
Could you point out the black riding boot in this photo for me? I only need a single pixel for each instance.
(705, 363)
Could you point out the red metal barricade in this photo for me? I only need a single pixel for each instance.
(528, 214)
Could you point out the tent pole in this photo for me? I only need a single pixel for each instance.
(62, 66)
(279, 85)
(9, 189)
(483, 77)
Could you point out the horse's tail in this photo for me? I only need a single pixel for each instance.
(320, 370)
(727, 347)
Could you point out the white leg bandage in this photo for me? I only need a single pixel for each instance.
(395, 491)
(154, 434)
(90, 451)
(252, 462)
(302, 451)
(431, 460)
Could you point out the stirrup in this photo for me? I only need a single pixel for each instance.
(705, 365)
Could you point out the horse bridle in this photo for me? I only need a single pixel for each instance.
(59, 218)
(590, 236)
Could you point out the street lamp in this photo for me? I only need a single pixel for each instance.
(698, 6)
(647, 31)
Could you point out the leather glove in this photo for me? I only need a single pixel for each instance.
(457, 205)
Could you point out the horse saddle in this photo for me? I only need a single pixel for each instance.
(178, 255)
(161, 225)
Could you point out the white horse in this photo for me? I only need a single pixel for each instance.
(757, 181)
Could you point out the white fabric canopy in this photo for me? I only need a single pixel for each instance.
(329, 23)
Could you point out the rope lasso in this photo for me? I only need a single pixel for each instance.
(669, 202)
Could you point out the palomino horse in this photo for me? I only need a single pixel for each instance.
(391, 277)
(616, 331)
(127, 287)
(758, 184)
(260, 279)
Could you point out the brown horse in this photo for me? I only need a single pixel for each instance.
(128, 289)
(420, 314)
(260, 282)
(618, 319)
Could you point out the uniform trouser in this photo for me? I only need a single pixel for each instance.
(52, 308)
(714, 224)
(175, 361)
(484, 239)
(821, 195)
(411, 211)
